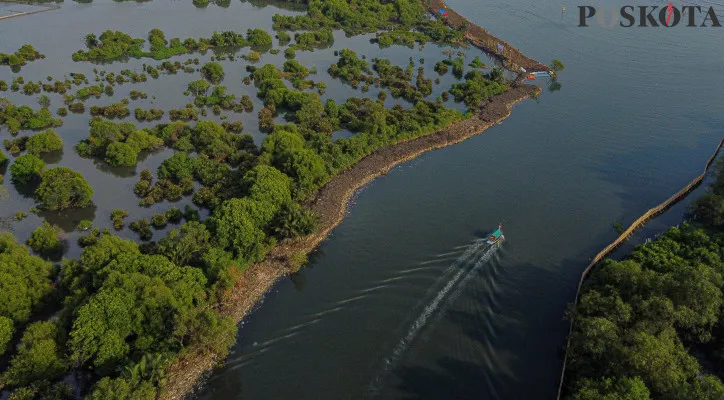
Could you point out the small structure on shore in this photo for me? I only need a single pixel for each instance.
(442, 12)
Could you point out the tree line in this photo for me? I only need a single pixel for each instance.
(651, 326)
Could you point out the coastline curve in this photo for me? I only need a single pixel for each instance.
(331, 205)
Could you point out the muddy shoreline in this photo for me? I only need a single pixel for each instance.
(332, 200)
(331, 207)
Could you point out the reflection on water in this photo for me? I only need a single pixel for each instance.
(52, 157)
(68, 220)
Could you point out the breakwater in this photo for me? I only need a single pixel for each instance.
(512, 58)
(20, 14)
(638, 223)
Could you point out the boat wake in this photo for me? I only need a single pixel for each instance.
(477, 254)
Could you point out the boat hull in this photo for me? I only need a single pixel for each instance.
(494, 241)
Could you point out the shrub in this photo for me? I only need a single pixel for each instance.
(143, 228)
(45, 240)
(44, 142)
(121, 154)
(213, 71)
(6, 333)
(63, 188)
(26, 168)
(159, 221)
(118, 217)
(174, 215)
(84, 225)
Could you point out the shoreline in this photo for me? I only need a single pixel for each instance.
(638, 223)
(332, 201)
(331, 205)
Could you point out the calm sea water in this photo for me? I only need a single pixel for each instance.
(372, 316)
(401, 301)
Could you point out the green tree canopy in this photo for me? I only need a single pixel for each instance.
(26, 168)
(44, 142)
(63, 188)
(238, 226)
(25, 280)
(45, 239)
(39, 356)
(213, 71)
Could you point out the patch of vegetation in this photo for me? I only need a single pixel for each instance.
(351, 69)
(117, 144)
(17, 118)
(115, 110)
(477, 88)
(213, 71)
(62, 188)
(45, 239)
(151, 114)
(369, 16)
(118, 217)
(25, 54)
(116, 45)
(44, 142)
(26, 169)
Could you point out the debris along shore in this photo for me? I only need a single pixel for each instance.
(330, 206)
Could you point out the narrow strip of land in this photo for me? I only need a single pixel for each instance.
(331, 206)
(512, 58)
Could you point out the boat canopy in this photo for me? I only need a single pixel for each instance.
(497, 233)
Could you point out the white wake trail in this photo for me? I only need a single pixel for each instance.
(432, 307)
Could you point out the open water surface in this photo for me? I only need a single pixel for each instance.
(401, 301)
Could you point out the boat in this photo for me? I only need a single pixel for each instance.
(496, 236)
(531, 77)
(540, 73)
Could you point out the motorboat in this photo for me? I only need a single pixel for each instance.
(496, 236)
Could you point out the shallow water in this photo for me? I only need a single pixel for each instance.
(638, 115)
(398, 303)
(114, 186)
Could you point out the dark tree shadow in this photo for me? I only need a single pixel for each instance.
(68, 219)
